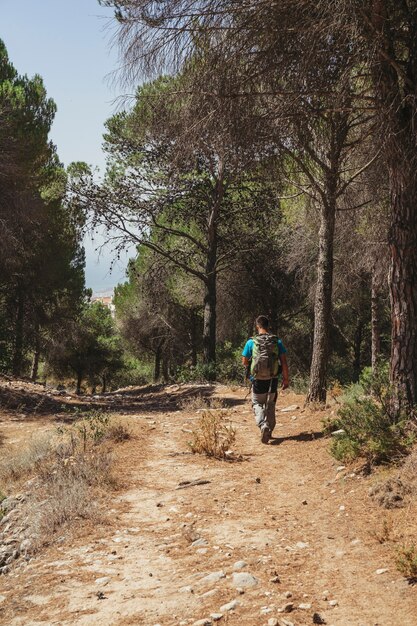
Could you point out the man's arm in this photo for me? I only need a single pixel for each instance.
(285, 373)
(245, 361)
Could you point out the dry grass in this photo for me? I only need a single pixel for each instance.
(73, 467)
(213, 436)
(199, 402)
(25, 462)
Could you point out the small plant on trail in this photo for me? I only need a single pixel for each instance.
(118, 432)
(368, 427)
(383, 534)
(213, 437)
(406, 561)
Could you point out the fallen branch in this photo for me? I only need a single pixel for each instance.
(192, 483)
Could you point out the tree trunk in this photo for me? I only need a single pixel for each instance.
(210, 296)
(157, 367)
(79, 381)
(165, 369)
(103, 383)
(395, 81)
(403, 284)
(209, 320)
(193, 337)
(18, 341)
(375, 323)
(36, 357)
(357, 345)
(322, 306)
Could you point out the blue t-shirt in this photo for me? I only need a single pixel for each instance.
(248, 349)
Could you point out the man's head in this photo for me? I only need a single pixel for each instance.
(262, 322)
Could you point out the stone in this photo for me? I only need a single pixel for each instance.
(273, 621)
(230, 606)
(287, 608)
(186, 589)
(203, 622)
(301, 545)
(2, 599)
(275, 579)
(305, 606)
(216, 617)
(288, 409)
(317, 619)
(8, 504)
(209, 594)
(288, 594)
(214, 577)
(104, 580)
(383, 570)
(342, 507)
(340, 468)
(25, 546)
(336, 433)
(286, 622)
(333, 603)
(244, 579)
(199, 542)
(239, 565)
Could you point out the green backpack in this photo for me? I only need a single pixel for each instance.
(265, 362)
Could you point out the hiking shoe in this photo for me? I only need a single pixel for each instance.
(265, 434)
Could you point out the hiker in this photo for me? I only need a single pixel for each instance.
(264, 357)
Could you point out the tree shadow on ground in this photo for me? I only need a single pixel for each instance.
(304, 436)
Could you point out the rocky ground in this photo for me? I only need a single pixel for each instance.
(283, 536)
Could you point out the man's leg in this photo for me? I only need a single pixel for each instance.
(270, 410)
(259, 408)
(258, 405)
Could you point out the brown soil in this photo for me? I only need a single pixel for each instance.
(301, 527)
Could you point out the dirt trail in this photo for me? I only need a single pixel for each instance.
(169, 555)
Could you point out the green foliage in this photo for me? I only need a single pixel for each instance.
(200, 373)
(369, 429)
(92, 350)
(406, 561)
(41, 259)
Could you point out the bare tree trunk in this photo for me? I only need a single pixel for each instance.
(165, 369)
(209, 320)
(157, 367)
(103, 383)
(193, 337)
(79, 381)
(403, 283)
(357, 352)
(395, 85)
(375, 323)
(210, 296)
(18, 342)
(322, 306)
(36, 355)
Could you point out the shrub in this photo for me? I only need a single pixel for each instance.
(406, 561)
(369, 429)
(213, 436)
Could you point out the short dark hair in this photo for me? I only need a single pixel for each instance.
(262, 321)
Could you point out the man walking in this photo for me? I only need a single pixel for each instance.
(265, 354)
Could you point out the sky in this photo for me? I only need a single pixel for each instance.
(68, 42)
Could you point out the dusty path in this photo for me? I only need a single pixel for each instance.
(171, 556)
